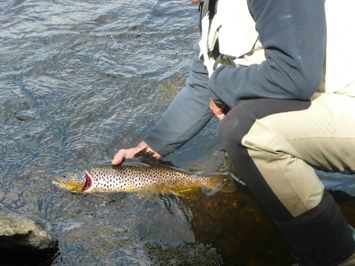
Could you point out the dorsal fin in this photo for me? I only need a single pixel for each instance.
(148, 157)
(145, 155)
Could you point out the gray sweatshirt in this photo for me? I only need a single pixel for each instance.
(293, 36)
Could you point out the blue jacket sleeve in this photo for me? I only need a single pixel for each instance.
(186, 115)
(293, 36)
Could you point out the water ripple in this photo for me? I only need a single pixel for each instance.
(79, 80)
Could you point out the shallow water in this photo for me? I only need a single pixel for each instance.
(81, 79)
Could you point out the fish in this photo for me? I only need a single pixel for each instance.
(135, 178)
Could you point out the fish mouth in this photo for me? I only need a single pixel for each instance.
(88, 183)
(57, 181)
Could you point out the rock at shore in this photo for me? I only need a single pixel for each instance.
(23, 239)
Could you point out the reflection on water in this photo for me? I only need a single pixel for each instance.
(136, 228)
(80, 79)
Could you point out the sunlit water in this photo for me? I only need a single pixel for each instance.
(81, 79)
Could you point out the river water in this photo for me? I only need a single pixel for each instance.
(81, 79)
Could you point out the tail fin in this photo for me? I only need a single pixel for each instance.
(215, 183)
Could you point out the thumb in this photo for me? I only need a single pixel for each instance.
(220, 116)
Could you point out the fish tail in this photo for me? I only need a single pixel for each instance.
(215, 181)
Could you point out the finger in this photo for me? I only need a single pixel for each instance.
(214, 107)
(119, 157)
(123, 154)
(129, 154)
(220, 116)
(218, 112)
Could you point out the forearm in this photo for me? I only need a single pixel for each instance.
(187, 114)
(292, 34)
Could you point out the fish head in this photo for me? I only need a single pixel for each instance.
(74, 182)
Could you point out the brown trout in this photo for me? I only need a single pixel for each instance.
(135, 178)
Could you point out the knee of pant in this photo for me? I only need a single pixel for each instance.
(229, 131)
(236, 123)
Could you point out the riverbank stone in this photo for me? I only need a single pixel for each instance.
(23, 238)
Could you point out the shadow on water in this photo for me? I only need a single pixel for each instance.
(189, 229)
(232, 222)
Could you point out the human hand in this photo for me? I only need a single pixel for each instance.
(219, 110)
(123, 154)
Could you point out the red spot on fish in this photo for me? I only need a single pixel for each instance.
(88, 183)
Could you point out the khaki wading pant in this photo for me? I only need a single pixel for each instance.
(292, 143)
(276, 144)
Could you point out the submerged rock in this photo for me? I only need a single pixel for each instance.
(23, 240)
(182, 253)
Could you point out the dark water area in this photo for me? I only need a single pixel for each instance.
(78, 81)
